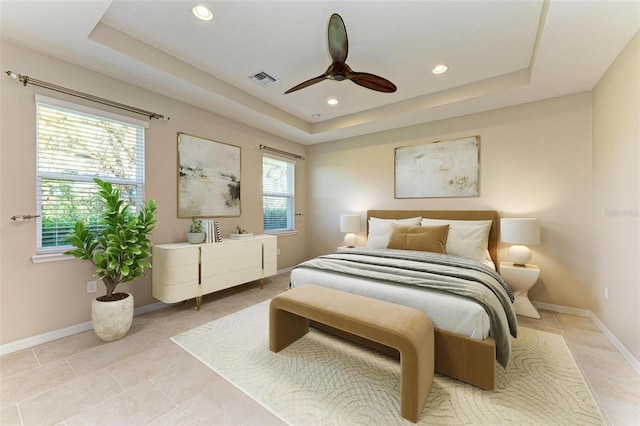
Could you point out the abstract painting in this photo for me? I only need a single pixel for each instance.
(208, 178)
(438, 169)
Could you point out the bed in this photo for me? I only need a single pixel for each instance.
(466, 330)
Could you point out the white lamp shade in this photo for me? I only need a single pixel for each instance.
(350, 223)
(520, 231)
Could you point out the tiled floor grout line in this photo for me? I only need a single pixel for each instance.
(587, 380)
(241, 298)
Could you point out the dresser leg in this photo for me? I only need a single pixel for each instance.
(199, 297)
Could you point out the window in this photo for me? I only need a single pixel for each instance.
(74, 145)
(278, 183)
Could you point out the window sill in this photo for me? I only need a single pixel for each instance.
(53, 257)
(281, 233)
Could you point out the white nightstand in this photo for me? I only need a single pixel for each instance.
(520, 279)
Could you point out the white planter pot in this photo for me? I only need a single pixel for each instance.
(112, 320)
(196, 237)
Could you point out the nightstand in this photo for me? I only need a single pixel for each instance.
(520, 279)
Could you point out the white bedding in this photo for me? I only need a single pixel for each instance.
(447, 312)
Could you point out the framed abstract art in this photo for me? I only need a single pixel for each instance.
(208, 178)
(438, 169)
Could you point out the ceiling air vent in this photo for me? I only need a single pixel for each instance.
(263, 79)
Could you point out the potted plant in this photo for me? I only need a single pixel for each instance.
(119, 250)
(196, 234)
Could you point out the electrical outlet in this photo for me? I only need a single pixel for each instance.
(92, 286)
(606, 293)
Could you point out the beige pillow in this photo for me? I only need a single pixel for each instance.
(419, 238)
(466, 238)
(380, 230)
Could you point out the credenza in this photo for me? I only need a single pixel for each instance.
(183, 271)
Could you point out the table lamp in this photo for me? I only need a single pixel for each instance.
(350, 223)
(520, 231)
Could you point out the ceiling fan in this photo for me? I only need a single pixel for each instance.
(339, 70)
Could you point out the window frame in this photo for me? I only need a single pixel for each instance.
(54, 253)
(291, 228)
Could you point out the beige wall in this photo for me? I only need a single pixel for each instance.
(535, 161)
(616, 197)
(38, 298)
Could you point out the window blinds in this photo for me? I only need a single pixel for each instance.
(278, 187)
(73, 147)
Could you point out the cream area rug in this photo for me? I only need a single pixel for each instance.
(324, 380)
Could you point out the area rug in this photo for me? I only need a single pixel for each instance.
(324, 380)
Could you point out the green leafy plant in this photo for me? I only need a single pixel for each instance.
(120, 248)
(196, 225)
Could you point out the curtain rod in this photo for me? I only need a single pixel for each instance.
(25, 79)
(288, 154)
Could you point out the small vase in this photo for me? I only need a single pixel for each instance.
(196, 237)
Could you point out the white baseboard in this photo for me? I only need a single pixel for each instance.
(78, 328)
(563, 309)
(44, 338)
(628, 356)
(150, 308)
(65, 332)
(282, 271)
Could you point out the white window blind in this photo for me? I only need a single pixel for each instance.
(278, 190)
(74, 145)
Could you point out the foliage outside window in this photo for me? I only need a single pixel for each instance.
(76, 144)
(278, 190)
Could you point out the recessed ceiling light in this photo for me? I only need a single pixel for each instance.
(203, 13)
(316, 116)
(439, 69)
(332, 101)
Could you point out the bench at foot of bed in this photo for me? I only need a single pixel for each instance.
(406, 329)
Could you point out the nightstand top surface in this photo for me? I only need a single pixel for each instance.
(510, 265)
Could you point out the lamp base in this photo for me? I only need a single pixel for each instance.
(519, 255)
(350, 239)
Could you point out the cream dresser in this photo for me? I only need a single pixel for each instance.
(182, 270)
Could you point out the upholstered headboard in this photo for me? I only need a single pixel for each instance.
(447, 214)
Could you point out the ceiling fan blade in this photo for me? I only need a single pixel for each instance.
(338, 42)
(307, 83)
(372, 82)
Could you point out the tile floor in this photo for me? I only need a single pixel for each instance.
(145, 378)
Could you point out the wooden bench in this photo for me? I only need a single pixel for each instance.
(406, 329)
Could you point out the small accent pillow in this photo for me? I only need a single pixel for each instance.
(467, 238)
(380, 230)
(419, 238)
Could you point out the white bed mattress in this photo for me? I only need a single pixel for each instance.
(447, 312)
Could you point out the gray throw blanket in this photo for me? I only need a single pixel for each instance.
(436, 272)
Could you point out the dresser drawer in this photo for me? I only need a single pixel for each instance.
(231, 248)
(212, 266)
(229, 279)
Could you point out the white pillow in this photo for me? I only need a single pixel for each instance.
(467, 238)
(380, 230)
